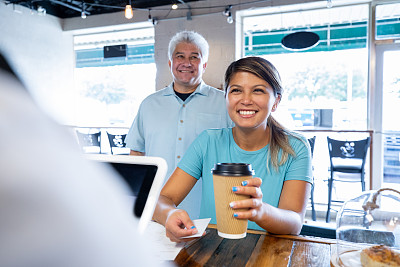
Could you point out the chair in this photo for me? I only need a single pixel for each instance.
(346, 157)
(117, 143)
(90, 142)
(313, 214)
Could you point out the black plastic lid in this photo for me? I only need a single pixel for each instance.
(233, 169)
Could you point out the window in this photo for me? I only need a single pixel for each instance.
(388, 90)
(391, 124)
(109, 90)
(325, 86)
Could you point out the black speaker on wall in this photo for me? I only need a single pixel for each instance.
(115, 51)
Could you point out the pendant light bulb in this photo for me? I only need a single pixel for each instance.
(228, 14)
(174, 6)
(83, 13)
(128, 11)
(229, 19)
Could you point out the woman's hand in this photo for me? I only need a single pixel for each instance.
(176, 221)
(179, 225)
(252, 188)
(287, 218)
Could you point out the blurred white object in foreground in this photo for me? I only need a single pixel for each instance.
(56, 208)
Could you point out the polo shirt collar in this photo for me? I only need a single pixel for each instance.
(202, 89)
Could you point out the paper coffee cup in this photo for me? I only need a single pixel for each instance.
(225, 177)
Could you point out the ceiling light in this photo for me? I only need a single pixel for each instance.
(227, 12)
(229, 19)
(41, 11)
(128, 11)
(83, 14)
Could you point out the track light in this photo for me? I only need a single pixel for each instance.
(229, 19)
(128, 11)
(228, 13)
(83, 14)
(41, 11)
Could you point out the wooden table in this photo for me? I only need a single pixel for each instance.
(256, 249)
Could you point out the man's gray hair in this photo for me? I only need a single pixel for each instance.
(192, 38)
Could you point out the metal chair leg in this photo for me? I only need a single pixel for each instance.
(328, 212)
(362, 181)
(313, 214)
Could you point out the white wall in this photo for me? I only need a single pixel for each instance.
(42, 54)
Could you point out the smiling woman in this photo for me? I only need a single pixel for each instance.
(280, 158)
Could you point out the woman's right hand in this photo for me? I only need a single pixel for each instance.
(179, 225)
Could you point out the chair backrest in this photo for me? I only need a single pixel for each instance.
(87, 140)
(116, 141)
(312, 144)
(348, 149)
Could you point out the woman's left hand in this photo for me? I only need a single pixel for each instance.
(254, 204)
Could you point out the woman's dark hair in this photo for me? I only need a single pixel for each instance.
(258, 66)
(264, 69)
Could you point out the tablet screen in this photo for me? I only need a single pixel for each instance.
(140, 179)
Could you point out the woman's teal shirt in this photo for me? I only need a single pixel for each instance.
(218, 146)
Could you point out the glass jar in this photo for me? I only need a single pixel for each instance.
(373, 218)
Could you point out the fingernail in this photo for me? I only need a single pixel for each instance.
(235, 215)
(193, 227)
(244, 183)
(234, 189)
(232, 204)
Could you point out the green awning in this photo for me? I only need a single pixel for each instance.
(332, 37)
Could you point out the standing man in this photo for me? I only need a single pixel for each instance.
(169, 120)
